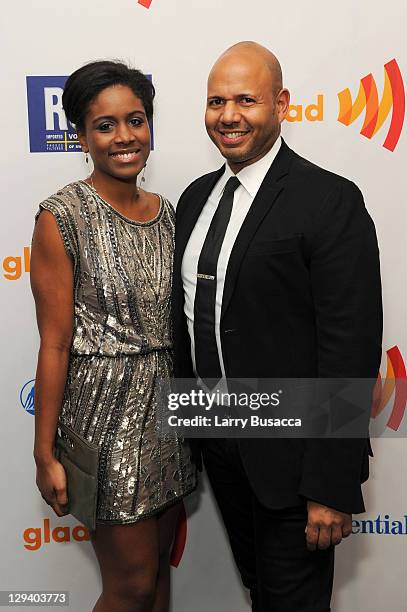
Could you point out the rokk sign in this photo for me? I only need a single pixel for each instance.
(50, 131)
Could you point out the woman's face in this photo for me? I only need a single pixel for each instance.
(117, 134)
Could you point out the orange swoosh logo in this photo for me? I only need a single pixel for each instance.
(367, 99)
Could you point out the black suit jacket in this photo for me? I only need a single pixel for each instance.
(302, 298)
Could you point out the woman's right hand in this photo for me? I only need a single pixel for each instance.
(51, 481)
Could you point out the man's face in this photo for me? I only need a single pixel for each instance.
(244, 111)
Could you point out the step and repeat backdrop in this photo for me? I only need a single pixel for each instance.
(345, 64)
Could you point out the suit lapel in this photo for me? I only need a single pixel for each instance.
(270, 189)
(194, 208)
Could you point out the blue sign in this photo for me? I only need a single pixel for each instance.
(27, 396)
(50, 132)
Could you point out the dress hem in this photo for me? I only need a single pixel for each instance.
(147, 515)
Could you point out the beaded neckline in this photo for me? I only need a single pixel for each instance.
(119, 214)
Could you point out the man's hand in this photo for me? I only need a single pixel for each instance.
(326, 526)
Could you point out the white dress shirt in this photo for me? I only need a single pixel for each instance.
(251, 178)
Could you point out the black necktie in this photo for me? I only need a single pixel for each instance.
(206, 350)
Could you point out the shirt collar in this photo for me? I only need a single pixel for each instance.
(251, 177)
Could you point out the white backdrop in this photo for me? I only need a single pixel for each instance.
(324, 47)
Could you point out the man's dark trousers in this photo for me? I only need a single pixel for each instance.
(268, 546)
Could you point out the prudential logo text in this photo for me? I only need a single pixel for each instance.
(383, 524)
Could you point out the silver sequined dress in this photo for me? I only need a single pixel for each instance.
(121, 345)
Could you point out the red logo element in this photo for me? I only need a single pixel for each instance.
(180, 538)
(145, 3)
(394, 382)
(393, 99)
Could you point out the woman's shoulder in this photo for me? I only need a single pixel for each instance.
(167, 205)
(67, 199)
(65, 206)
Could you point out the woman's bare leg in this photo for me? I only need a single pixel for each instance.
(167, 524)
(128, 557)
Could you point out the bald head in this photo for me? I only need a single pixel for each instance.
(251, 52)
(246, 103)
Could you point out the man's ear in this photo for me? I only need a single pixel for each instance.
(283, 104)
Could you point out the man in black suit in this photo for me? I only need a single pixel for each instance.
(276, 274)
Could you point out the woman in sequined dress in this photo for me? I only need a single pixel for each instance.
(101, 278)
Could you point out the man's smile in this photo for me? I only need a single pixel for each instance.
(233, 136)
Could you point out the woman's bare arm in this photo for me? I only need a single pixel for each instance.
(53, 290)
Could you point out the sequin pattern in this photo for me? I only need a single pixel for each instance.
(121, 345)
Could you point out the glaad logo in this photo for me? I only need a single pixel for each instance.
(381, 525)
(394, 384)
(376, 113)
(50, 131)
(35, 537)
(393, 98)
(15, 265)
(311, 112)
(27, 395)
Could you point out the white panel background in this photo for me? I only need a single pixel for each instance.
(323, 47)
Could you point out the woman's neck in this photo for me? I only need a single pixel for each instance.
(120, 192)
